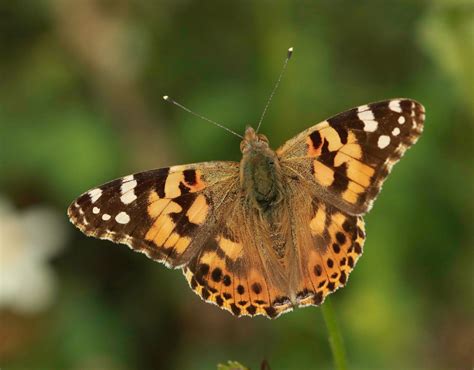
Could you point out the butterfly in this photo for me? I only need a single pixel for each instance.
(279, 230)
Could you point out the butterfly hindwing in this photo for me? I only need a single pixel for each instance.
(348, 156)
(328, 247)
(236, 268)
(159, 212)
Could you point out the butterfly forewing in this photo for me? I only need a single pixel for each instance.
(159, 212)
(348, 156)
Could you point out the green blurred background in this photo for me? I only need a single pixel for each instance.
(81, 86)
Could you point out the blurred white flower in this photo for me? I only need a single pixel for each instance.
(28, 239)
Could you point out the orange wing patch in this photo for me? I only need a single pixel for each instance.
(323, 174)
(198, 211)
(180, 182)
(232, 249)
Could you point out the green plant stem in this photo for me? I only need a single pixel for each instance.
(335, 337)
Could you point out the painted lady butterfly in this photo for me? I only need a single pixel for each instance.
(281, 229)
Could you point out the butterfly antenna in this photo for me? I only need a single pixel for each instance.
(288, 56)
(168, 99)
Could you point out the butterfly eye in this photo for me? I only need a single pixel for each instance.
(244, 146)
(262, 138)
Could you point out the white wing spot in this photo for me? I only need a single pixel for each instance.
(128, 197)
(384, 141)
(366, 116)
(106, 217)
(96, 210)
(370, 126)
(401, 120)
(394, 105)
(95, 194)
(128, 194)
(122, 218)
(396, 131)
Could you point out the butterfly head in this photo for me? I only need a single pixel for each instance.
(253, 141)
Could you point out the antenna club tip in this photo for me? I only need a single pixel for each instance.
(290, 52)
(166, 97)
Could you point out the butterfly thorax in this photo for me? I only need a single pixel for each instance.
(260, 172)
